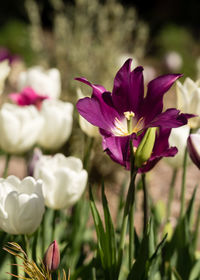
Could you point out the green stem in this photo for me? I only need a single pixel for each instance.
(145, 203)
(34, 247)
(171, 193)
(128, 207)
(88, 152)
(131, 235)
(93, 273)
(43, 232)
(5, 172)
(55, 215)
(26, 244)
(14, 267)
(183, 184)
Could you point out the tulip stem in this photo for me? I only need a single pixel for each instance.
(88, 152)
(43, 232)
(55, 215)
(131, 234)
(145, 203)
(93, 273)
(183, 184)
(14, 267)
(7, 159)
(171, 193)
(25, 239)
(129, 207)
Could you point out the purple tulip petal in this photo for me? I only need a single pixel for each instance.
(170, 119)
(193, 144)
(117, 148)
(153, 103)
(97, 89)
(128, 90)
(97, 112)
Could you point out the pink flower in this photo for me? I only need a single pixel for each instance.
(52, 257)
(27, 97)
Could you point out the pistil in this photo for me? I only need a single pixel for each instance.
(129, 115)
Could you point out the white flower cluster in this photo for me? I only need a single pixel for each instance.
(50, 127)
(60, 180)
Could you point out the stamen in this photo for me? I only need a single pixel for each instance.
(129, 115)
(121, 127)
(137, 128)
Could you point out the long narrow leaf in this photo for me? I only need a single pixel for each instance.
(101, 238)
(110, 232)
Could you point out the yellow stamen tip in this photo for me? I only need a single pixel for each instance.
(129, 114)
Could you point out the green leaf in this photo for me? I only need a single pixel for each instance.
(190, 209)
(101, 238)
(138, 270)
(110, 233)
(195, 272)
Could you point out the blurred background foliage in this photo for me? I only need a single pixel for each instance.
(92, 38)
(83, 37)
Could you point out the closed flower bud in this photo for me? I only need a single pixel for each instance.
(64, 180)
(57, 128)
(145, 147)
(52, 257)
(178, 138)
(193, 145)
(43, 82)
(37, 153)
(21, 205)
(20, 127)
(86, 127)
(168, 229)
(188, 99)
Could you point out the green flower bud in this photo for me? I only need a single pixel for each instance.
(144, 150)
(169, 230)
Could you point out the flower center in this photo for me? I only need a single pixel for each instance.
(127, 125)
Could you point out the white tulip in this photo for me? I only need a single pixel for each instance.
(21, 205)
(178, 138)
(19, 127)
(4, 72)
(57, 125)
(64, 180)
(173, 61)
(43, 82)
(86, 127)
(188, 99)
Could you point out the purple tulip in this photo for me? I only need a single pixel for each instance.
(6, 54)
(27, 97)
(193, 145)
(125, 114)
(52, 257)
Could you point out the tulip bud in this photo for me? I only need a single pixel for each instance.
(169, 230)
(145, 147)
(193, 144)
(52, 257)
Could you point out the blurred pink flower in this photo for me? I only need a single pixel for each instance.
(27, 97)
